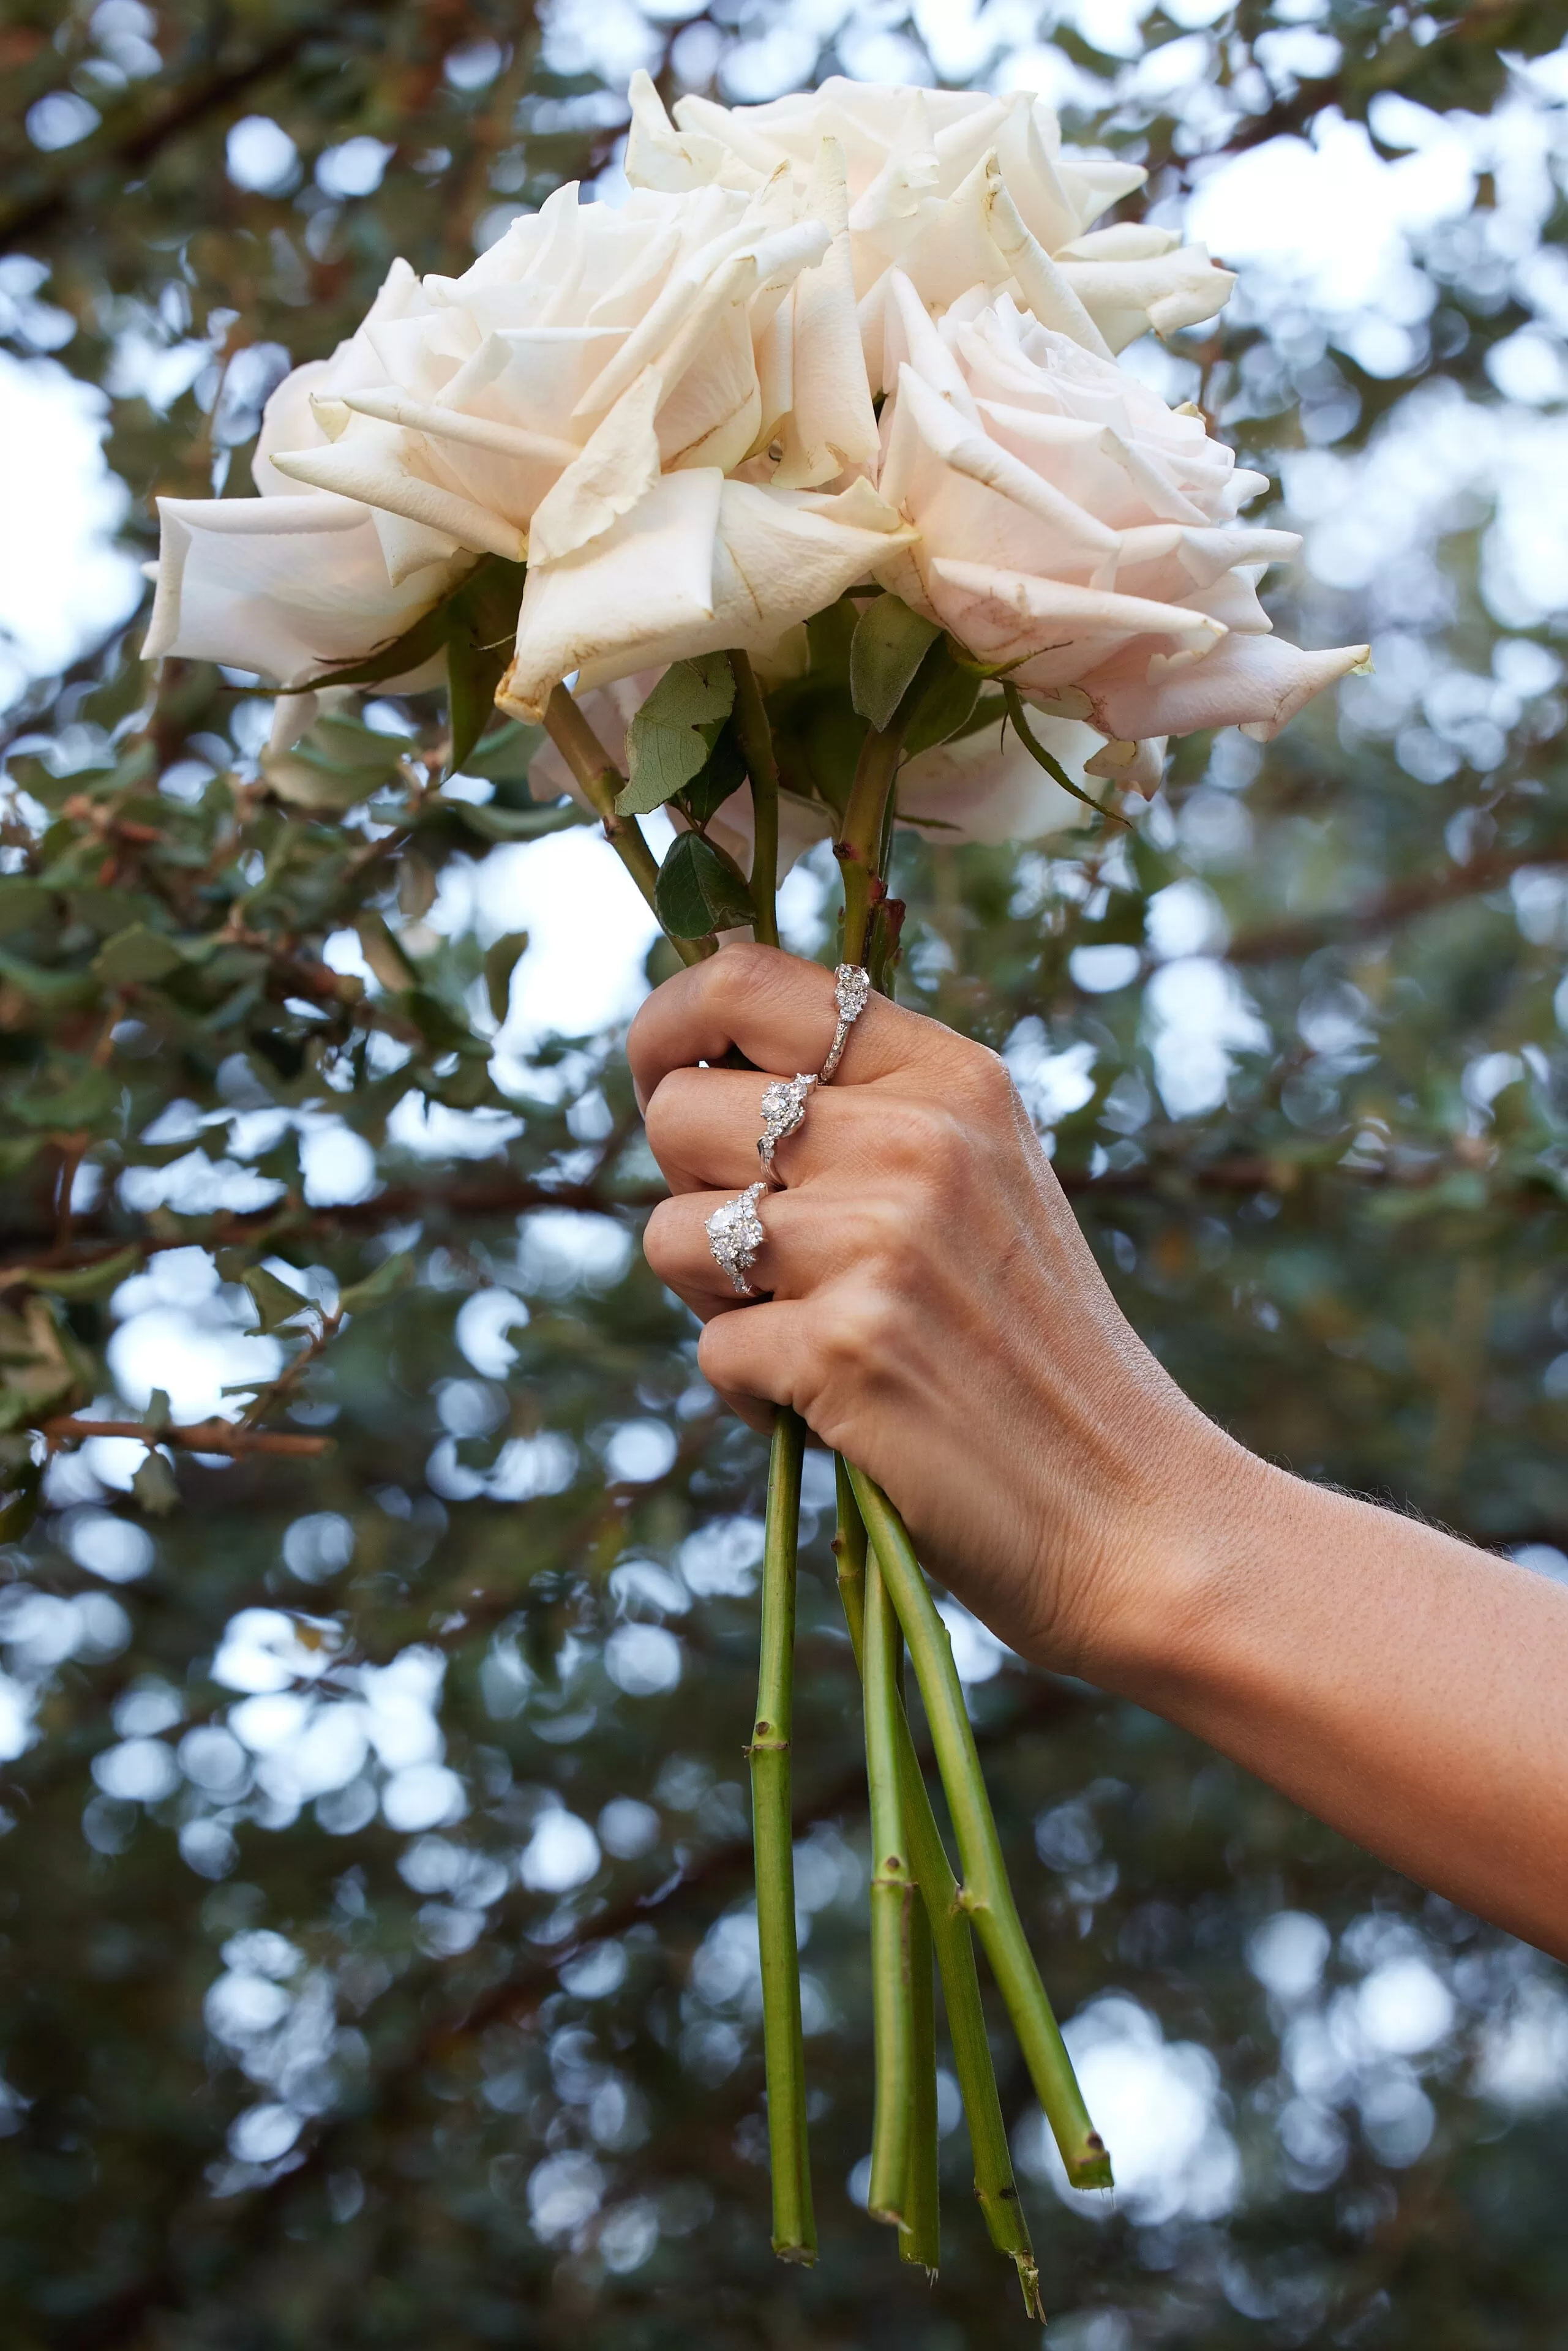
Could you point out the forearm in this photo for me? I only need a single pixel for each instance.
(1401, 1685)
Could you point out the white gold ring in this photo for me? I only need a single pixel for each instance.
(852, 988)
(735, 1235)
(783, 1112)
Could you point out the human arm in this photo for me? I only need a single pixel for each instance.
(938, 1317)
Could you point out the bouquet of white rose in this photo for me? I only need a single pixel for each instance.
(802, 496)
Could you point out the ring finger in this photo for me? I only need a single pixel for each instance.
(795, 1251)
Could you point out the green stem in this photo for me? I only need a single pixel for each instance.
(860, 840)
(920, 2238)
(994, 2187)
(602, 781)
(794, 2231)
(986, 1893)
(892, 1900)
(755, 738)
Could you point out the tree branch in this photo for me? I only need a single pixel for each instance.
(131, 136)
(194, 1435)
(1288, 942)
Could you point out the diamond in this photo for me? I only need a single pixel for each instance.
(852, 992)
(735, 1235)
(783, 1108)
(851, 986)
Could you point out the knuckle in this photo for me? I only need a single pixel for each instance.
(664, 1119)
(723, 1356)
(858, 1330)
(990, 1082)
(663, 1238)
(745, 969)
(925, 1138)
(887, 1224)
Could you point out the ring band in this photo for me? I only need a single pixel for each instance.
(851, 989)
(735, 1235)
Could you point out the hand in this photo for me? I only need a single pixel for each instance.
(935, 1314)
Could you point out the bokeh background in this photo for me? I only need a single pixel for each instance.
(376, 1960)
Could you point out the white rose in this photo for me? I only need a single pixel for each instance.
(538, 396)
(294, 580)
(954, 188)
(698, 565)
(1073, 526)
(521, 408)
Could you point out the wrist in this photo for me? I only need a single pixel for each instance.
(1169, 1586)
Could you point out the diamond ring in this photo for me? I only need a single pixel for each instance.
(735, 1235)
(783, 1110)
(852, 988)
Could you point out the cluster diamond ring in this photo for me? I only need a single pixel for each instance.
(852, 990)
(735, 1235)
(783, 1110)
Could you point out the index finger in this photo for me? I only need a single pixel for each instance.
(779, 1009)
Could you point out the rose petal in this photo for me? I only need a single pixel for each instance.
(285, 586)
(1255, 683)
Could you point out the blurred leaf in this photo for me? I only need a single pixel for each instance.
(337, 762)
(382, 953)
(392, 1274)
(21, 1489)
(153, 1489)
(137, 953)
(82, 1101)
(95, 1280)
(23, 903)
(500, 962)
(440, 1026)
(416, 886)
(42, 1368)
(274, 1301)
(492, 822)
(504, 756)
(53, 989)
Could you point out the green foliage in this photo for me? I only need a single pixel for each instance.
(889, 644)
(672, 738)
(483, 623)
(949, 704)
(1352, 1257)
(699, 891)
(500, 962)
(276, 1302)
(337, 762)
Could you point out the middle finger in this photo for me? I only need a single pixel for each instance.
(704, 1124)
